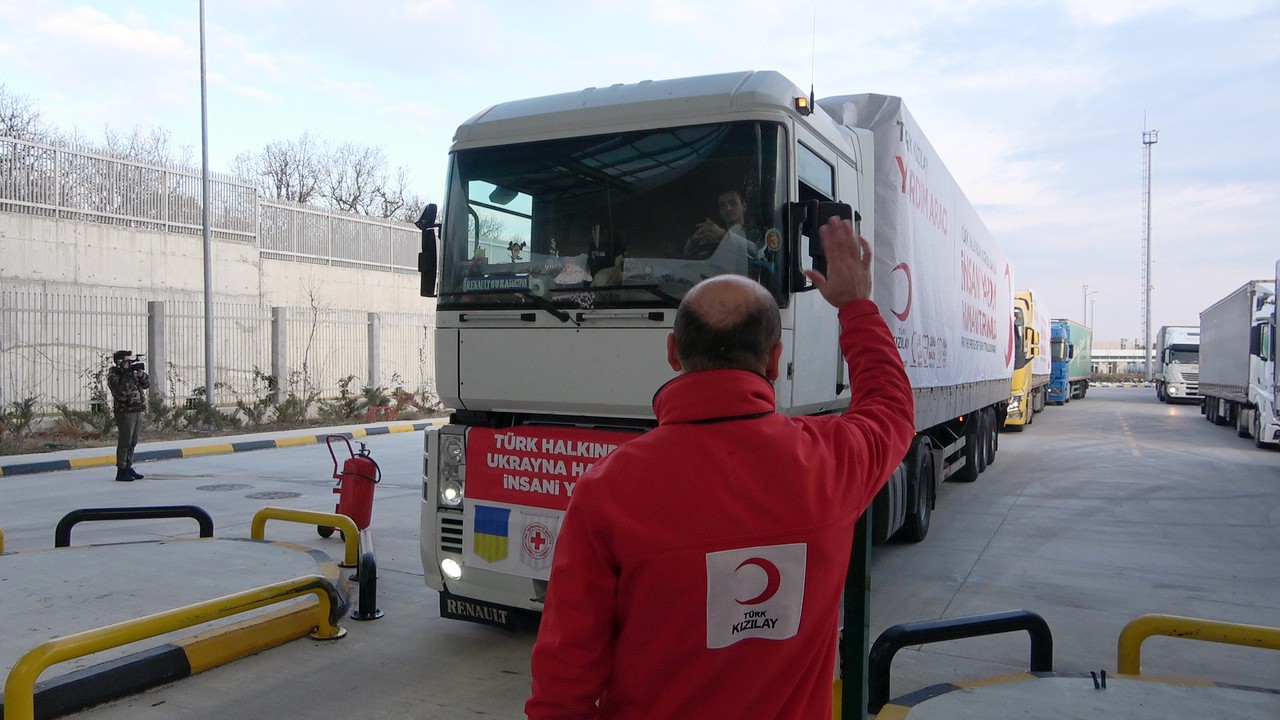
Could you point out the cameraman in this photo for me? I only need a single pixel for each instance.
(128, 383)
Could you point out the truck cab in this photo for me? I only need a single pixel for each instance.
(1177, 364)
(1032, 365)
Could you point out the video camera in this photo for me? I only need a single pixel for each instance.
(137, 365)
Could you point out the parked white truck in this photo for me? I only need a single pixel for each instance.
(564, 251)
(1238, 361)
(1177, 364)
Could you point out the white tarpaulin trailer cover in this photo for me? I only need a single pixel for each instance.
(949, 302)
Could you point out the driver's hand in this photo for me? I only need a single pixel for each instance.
(707, 231)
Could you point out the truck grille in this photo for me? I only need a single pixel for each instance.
(1191, 377)
(451, 532)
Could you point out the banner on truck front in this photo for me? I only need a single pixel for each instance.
(518, 485)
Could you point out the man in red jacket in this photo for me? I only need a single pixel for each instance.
(700, 567)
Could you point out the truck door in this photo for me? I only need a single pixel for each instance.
(816, 368)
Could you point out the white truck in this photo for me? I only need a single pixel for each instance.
(1238, 361)
(1177, 364)
(563, 254)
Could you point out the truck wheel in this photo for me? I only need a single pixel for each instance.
(973, 440)
(1160, 393)
(1242, 425)
(993, 437)
(984, 440)
(922, 476)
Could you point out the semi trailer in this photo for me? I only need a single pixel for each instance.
(561, 254)
(1238, 361)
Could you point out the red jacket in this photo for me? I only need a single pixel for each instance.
(699, 569)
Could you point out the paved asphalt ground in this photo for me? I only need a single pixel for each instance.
(1102, 510)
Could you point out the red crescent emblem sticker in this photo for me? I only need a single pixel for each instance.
(906, 311)
(1008, 354)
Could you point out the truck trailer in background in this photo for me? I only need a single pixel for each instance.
(1071, 352)
(1032, 366)
(562, 259)
(1238, 363)
(1177, 364)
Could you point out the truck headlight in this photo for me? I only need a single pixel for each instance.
(451, 449)
(451, 478)
(451, 568)
(450, 493)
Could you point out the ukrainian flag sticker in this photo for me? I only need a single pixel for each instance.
(490, 536)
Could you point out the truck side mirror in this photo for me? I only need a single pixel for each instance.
(429, 226)
(806, 219)
(1255, 340)
(1071, 351)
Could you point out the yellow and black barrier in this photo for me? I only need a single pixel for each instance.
(350, 532)
(19, 688)
(1129, 646)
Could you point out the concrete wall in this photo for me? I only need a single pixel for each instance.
(153, 264)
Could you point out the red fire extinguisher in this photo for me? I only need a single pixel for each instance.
(355, 484)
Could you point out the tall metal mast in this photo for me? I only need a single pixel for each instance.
(1149, 138)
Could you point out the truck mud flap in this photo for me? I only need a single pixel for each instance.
(455, 607)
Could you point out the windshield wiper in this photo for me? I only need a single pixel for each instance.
(523, 293)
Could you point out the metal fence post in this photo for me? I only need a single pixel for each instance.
(157, 354)
(279, 351)
(374, 337)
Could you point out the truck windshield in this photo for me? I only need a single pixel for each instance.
(1060, 349)
(1183, 354)
(626, 220)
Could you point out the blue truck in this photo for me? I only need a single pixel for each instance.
(1071, 352)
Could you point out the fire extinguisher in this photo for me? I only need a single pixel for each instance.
(355, 484)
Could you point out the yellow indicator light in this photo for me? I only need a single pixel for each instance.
(802, 105)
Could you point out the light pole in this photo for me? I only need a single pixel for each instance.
(1149, 138)
(1084, 310)
(204, 219)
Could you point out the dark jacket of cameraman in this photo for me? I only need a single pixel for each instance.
(128, 389)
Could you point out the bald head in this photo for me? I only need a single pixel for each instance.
(727, 321)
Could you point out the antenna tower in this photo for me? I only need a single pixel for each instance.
(1149, 138)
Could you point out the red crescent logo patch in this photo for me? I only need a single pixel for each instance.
(774, 580)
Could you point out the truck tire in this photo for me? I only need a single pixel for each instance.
(984, 440)
(1160, 393)
(973, 440)
(993, 437)
(922, 483)
(881, 511)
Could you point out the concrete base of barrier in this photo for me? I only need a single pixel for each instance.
(52, 593)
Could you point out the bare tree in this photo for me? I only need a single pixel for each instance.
(20, 118)
(286, 169)
(151, 146)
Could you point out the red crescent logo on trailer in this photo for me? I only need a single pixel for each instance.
(1008, 354)
(906, 311)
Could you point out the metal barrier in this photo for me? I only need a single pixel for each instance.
(62, 534)
(367, 575)
(19, 688)
(1129, 646)
(350, 532)
(931, 631)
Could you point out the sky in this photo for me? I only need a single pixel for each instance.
(1037, 107)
